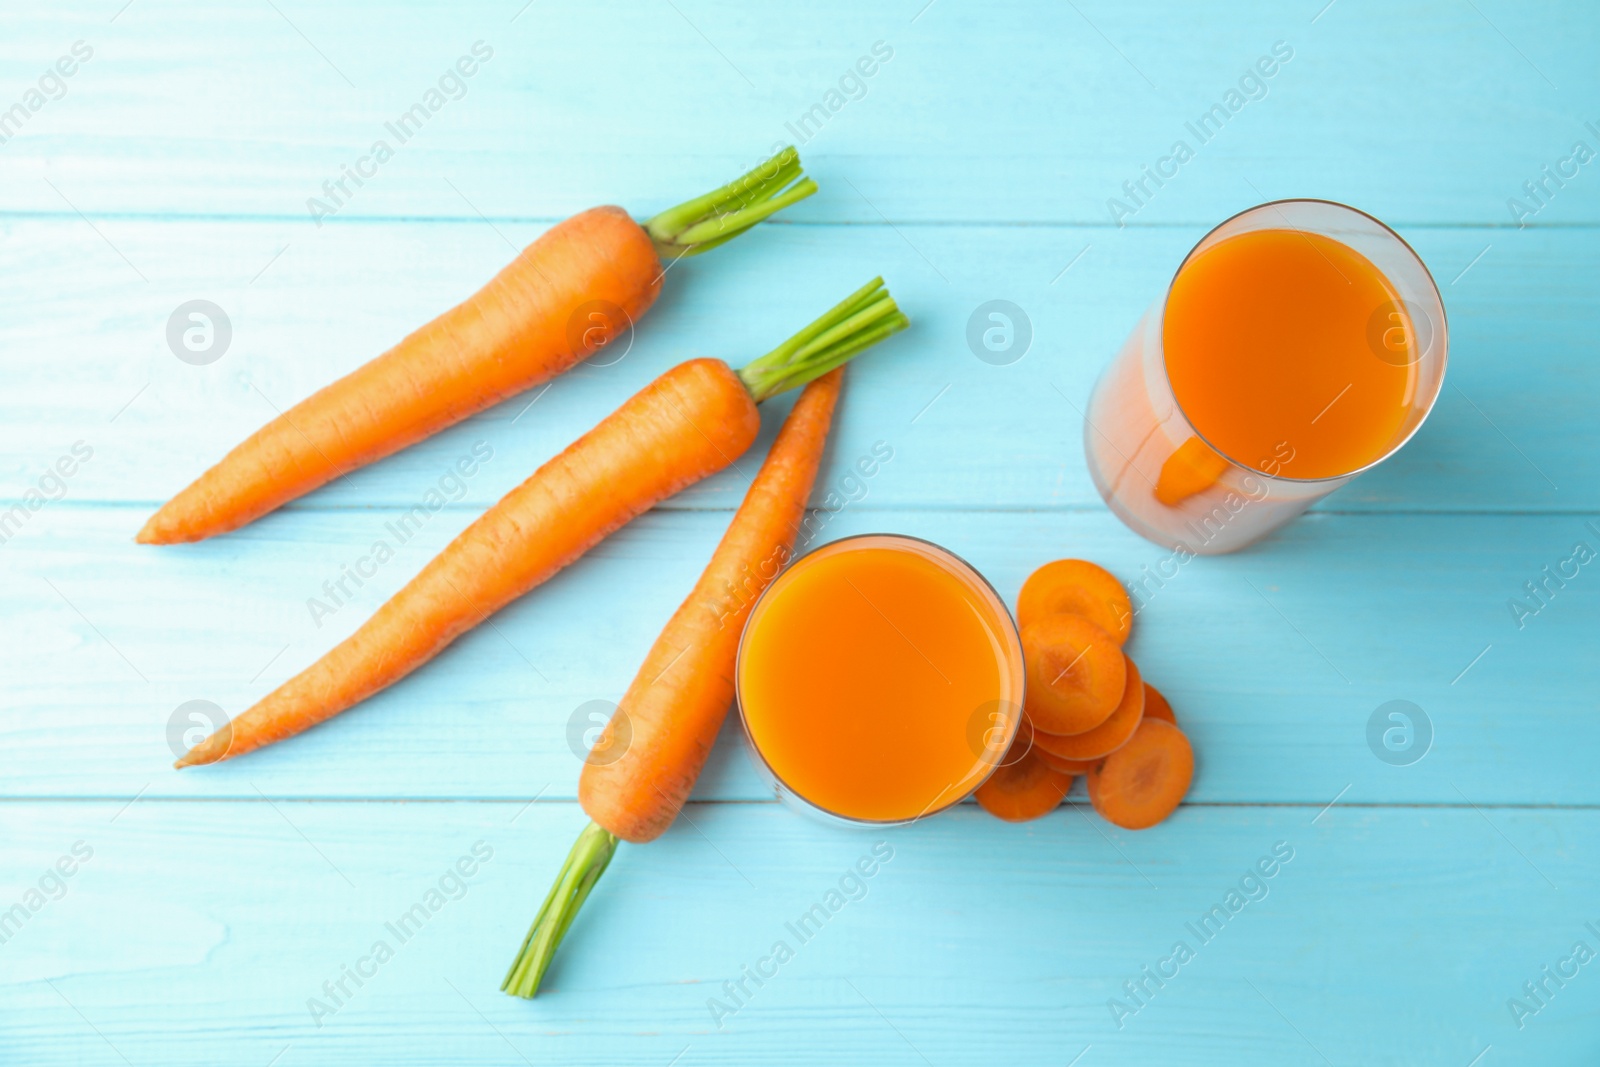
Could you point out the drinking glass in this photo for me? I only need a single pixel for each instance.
(1134, 424)
(987, 732)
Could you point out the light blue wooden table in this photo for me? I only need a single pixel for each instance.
(206, 909)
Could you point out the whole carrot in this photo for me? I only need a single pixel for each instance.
(572, 291)
(656, 743)
(692, 421)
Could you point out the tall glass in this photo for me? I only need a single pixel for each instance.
(1135, 427)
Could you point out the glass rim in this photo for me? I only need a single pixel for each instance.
(1444, 337)
(1011, 629)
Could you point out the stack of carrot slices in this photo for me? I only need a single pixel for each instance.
(1088, 709)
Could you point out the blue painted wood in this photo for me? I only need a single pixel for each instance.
(977, 165)
(1275, 658)
(966, 433)
(198, 933)
(1011, 111)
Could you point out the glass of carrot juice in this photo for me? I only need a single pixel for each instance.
(1300, 343)
(879, 680)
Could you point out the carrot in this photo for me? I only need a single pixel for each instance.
(1142, 782)
(1065, 766)
(661, 733)
(692, 421)
(1076, 674)
(1021, 743)
(677, 702)
(1109, 735)
(1023, 789)
(575, 289)
(1156, 706)
(1193, 468)
(1077, 587)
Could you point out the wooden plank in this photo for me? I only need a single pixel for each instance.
(965, 433)
(198, 932)
(201, 916)
(1010, 112)
(1274, 658)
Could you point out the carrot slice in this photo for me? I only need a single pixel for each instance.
(1193, 468)
(1142, 782)
(1109, 735)
(1024, 789)
(1021, 743)
(1156, 706)
(1065, 766)
(1076, 674)
(1076, 587)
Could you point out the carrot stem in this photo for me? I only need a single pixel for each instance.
(861, 319)
(587, 861)
(707, 221)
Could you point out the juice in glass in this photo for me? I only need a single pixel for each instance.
(1298, 344)
(1265, 342)
(879, 679)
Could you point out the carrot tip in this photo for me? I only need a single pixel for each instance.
(213, 749)
(161, 529)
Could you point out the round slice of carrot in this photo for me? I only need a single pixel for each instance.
(1142, 782)
(1076, 587)
(1109, 735)
(1065, 766)
(1022, 790)
(1021, 743)
(1156, 706)
(1076, 674)
(1192, 469)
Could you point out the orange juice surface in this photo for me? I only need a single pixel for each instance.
(876, 676)
(1289, 352)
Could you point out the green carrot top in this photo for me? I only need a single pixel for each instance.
(705, 222)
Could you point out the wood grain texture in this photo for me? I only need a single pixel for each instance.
(975, 942)
(1273, 658)
(91, 337)
(977, 164)
(1014, 112)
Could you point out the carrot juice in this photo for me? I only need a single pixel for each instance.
(880, 679)
(1267, 346)
(1299, 343)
